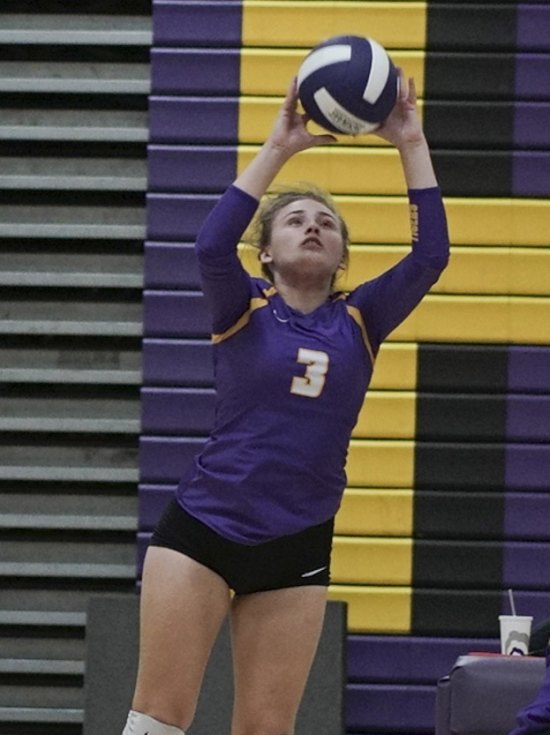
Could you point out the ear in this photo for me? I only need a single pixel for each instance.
(265, 257)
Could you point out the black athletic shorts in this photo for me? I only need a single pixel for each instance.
(290, 561)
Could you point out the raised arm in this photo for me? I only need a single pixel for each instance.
(404, 130)
(387, 300)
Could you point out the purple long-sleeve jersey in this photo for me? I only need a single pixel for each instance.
(290, 385)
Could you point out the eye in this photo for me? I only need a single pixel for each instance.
(329, 223)
(294, 220)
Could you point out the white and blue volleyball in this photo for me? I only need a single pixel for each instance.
(348, 84)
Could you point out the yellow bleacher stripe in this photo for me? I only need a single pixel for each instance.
(256, 116)
(380, 463)
(472, 222)
(377, 561)
(305, 23)
(501, 222)
(375, 512)
(340, 170)
(496, 271)
(479, 270)
(483, 319)
(387, 415)
(375, 609)
(267, 71)
(490, 271)
(395, 367)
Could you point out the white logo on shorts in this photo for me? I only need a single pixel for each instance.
(314, 572)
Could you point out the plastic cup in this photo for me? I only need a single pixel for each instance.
(515, 631)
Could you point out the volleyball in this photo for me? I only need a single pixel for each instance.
(348, 84)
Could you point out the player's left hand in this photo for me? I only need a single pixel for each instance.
(403, 125)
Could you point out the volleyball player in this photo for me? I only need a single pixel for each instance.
(249, 533)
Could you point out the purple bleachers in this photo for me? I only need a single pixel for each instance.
(182, 411)
(177, 216)
(529, 368)
(527, 466)
(402, 708)
(526, 565)
(197, 23)
(530, 173)
(528, 418)
(532, 81)
(165, 459)
(191, 168)
(175, 314)
(152, 499)
(372, 658)
(194, 120)
(196, 71)
(531, 124)
(177, 362)
(527, 516)
(533, 27)
(171, 265)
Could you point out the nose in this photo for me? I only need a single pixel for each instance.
(312, 226)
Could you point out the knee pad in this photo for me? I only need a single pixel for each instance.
(140, 724)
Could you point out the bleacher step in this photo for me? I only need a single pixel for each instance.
(19, 666)
(118, 126)
(62, 328)
(58, 570)
(43, 618)
(72, 174)
(96, 377)
(76, 77)
(47, 715)
(75, 30)
(68, 474)
(67, 522)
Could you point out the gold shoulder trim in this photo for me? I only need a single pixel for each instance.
(255, 303)
(355, 314)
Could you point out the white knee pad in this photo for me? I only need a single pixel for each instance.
(140, 724)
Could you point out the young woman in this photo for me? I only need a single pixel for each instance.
(293, 359)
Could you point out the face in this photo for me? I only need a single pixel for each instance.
(306, 240)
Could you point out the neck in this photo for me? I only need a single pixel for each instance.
(303, 299)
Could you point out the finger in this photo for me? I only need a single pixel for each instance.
(291, 97)
(412, 91)
(403, 85)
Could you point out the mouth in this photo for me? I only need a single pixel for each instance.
(312, 243)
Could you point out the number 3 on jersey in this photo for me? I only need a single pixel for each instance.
(313, 381)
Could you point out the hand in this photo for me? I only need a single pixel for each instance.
(403, 125)
(288, 136)
(289, 133)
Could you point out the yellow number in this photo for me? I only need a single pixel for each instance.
(312, 383)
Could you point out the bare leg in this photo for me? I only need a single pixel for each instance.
(275, 636)
(183, 605)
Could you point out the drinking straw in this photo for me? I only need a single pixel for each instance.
(512, 604)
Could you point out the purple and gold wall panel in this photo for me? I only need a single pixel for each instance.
(482, 432)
